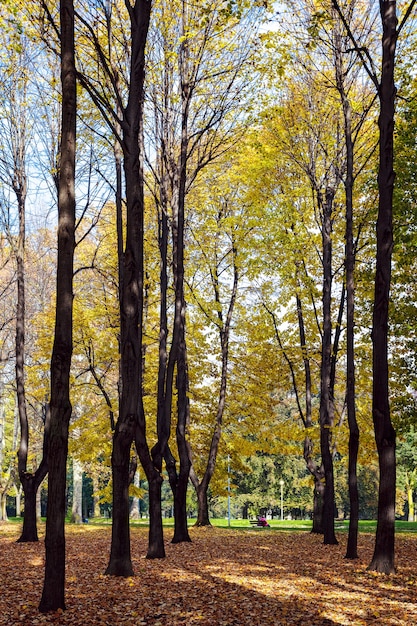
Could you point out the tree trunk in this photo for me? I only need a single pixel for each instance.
(29, 482)
(30, 486)
(224, 335)
(318, 492)
(384, 552)
(29, 531)
(96, 499)
(168, 363)
(38, 506)
(352, 545)
(77, 492)
(19, 501)
(410, 500)
(120, 563)
(156, 549)
(318, 495)
(203, 510)
(351, 551)
(53, 595)
(329, 537)
(135, 506)
(326, 399)
(131, 305)
(3, 507)
(181, 533)
(183, 412)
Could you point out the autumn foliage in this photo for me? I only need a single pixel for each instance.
(224, 577)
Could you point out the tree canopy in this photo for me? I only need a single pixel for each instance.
(211, 284)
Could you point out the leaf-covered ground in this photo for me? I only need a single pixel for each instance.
(254, 577)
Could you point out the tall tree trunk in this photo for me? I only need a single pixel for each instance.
(53, 595)
(29, 530)
(224, 335)
(326, 399)
(180, 496)
(30, 481)
(203, 518)
(351, 551)
(318, 496)
(410, 500)
(181, 479)
(77, 492)
(383, 557)
(3, 506)
(30, 485)
(352, 544)
(38, 506)
(177, 178)
(156, 548)
(131, 306)
(318, 492)
(313, 468)
(96, 499)
(135, 506)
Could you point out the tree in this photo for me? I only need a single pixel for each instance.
(16, 137)
(220, 260)
(131, 423)
(343, 89)
(318, 154)
(383, 559)
(53, 594)
(199, 56)
(345, 81)
(125, 121)
(403, 305)
(407, 462)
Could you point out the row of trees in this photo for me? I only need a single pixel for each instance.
(223, 238)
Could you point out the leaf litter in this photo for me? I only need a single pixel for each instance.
(222, 578)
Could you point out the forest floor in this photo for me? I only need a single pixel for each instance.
(254, 577)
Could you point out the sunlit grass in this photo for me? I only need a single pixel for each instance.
(365, 526)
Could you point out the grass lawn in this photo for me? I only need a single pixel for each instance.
(224, 577)
(365, 526)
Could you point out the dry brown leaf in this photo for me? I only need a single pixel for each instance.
(223, 578)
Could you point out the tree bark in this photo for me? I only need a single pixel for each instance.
(53, 595)
(318, 496)
(351, 551)
(315, 471)
(180, 494)
(156, 549)
(168, 362)
(326, 395)
(30, 481)
(30, 485)
(131, 305)
(318, 492)
(135, 506)
(384, 551)
(203, 518)
(96, 499)
(352, 545)
(77, 492)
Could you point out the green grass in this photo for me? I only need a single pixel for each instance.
(365, 526)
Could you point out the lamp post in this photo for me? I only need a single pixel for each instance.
(228, 490)
(281, 482)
